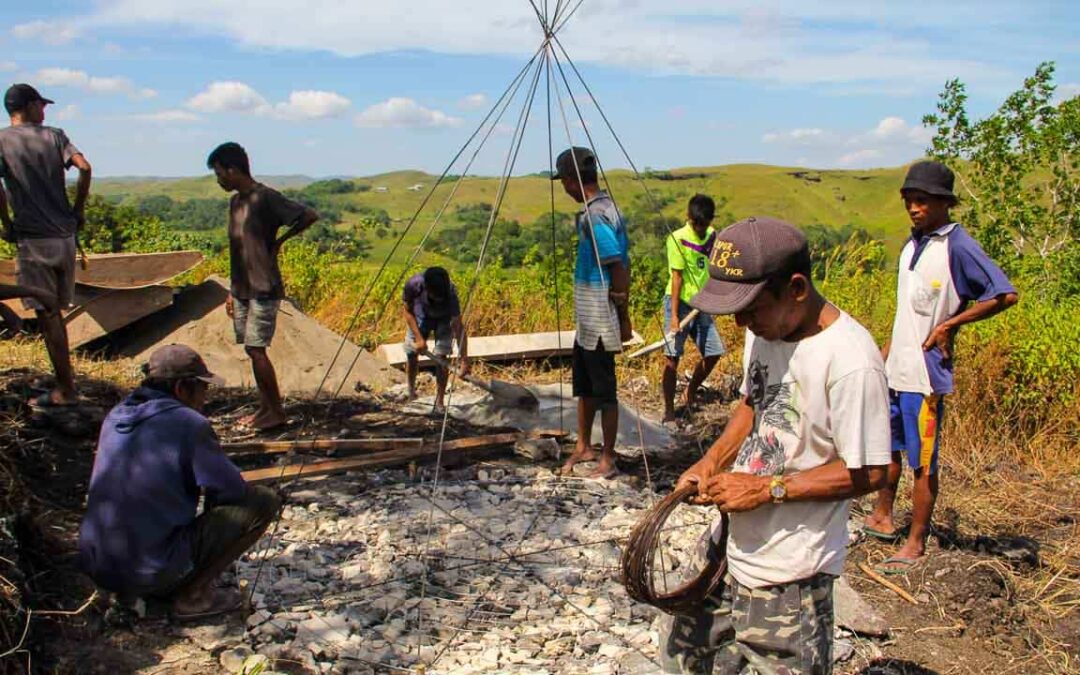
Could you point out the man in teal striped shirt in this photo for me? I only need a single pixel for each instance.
(601, 292)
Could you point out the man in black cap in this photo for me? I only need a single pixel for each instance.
(140, 537)
(945, 281)
(601, 295)
(806, 437)
(33, 161)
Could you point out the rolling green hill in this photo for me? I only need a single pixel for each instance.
(867, 199)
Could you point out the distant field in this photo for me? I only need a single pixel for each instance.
(866, 199)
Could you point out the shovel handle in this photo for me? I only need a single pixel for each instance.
(648, 349)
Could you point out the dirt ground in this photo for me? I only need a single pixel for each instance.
(969, 617)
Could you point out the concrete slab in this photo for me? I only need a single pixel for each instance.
(504, 347)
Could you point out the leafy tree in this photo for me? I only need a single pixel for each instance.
(1019, 176)
(113, 228)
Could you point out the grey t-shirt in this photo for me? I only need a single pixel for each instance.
(33, 160)
(254, 221)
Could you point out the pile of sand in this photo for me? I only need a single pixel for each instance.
(301, 351)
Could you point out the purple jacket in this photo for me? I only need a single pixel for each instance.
(153, 457)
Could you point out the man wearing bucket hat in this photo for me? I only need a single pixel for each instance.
(42, 223)
(806, 437)
(945, 280)
(140, 537)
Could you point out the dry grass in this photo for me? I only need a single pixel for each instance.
(1006, 471)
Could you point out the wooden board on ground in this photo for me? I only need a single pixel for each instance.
(116, 271)
(451, 451)
(113, 310)
(503, 347)
(331, 446)
(98, 312)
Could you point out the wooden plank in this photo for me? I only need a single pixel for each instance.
(83, 295)
(451, 450)
(503, 347)
(98, 312)
(123, 270)
(113, 310)
(331, 446)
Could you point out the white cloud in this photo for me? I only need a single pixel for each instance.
(844, 42)
(1066, 92)
(227, 97)
(239, 97)
(793, 136)
(473, 102)
(403, 112)
(168, 116)
(891, 141)
(312, 105)
(859, 157)
(896, 129)
(8, 66)
(49, 32)
(68, 112)
(78, 79)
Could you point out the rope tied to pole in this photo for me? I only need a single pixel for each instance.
(638, 575)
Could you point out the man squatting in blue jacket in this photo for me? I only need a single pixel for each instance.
(141, 537)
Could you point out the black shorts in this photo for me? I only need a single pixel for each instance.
(594, 374)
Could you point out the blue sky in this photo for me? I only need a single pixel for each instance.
(331, 87)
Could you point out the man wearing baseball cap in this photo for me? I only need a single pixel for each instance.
(945, 281)
(33, 162)
(140, 537)
(601, 294)
(806, 438)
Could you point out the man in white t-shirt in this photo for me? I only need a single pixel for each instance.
(810, 433)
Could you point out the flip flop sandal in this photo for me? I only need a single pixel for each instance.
(878, 534)
(44, 401)
(225, 601)
(903, 565)
(608, 475)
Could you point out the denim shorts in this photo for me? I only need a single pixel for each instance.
(255, 321)
(444, 337)
(702, 329)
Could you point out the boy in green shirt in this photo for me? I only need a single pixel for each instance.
(688, 250)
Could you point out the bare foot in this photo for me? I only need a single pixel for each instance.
(268, 419)
(580, 454)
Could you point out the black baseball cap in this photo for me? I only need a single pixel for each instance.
(565, 164)
(743, 259)
(177, 362)
(933, 178)
(18, 96)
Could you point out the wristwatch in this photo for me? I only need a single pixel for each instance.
(777, 489)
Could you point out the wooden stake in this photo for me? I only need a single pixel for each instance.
(868, 571)
(454, 449)
(335, 445)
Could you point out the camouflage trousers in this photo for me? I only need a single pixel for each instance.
(777, 630)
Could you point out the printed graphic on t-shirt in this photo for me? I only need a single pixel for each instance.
(775, 416)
